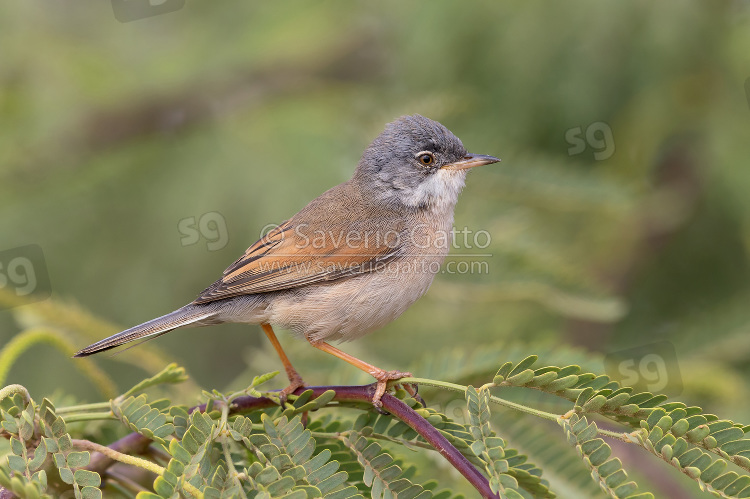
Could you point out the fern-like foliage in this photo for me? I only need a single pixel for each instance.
(148, 419)
(280, 460)
(681, 435)
(609, 473)
(288, 449)
(68, 461)
(311, 446)
(491, 450)
(172, 374)
(386, 427)
(679, 439)
(37, 433)
(22, 475)
(567, 475)
(191, 460)
(381, 473)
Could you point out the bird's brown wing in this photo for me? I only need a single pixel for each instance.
(286, 258)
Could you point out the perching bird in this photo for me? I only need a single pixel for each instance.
(351, 261)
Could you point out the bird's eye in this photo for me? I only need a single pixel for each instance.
(426, 158)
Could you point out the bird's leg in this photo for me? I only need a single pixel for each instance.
(382, 376)
(295, 380)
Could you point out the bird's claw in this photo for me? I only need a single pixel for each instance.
(413, 390)
(383, 378)
(295, 381)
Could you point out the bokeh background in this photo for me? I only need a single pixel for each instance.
(618, 220)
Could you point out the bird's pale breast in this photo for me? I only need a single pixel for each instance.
(349, 308)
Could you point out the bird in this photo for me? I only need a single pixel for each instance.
(351, 261)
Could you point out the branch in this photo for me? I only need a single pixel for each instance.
(117, 456)
(399, 410)
(137, 443)
(133, 444)
(131, 460)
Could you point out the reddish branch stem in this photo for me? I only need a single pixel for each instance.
(136, 443)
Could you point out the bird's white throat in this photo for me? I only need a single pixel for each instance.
(438, 191)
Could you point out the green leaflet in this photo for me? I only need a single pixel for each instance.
(190, 460)
(381, 473)
(302, 403)
(590, 392)
(284, 463)
(468, 362)
(560, 462)
(269, 453)
(488, 447)
(68, 462)
(596, 454)
(288, 449)
(597, 394)
(528, 475)
(171, 374)
(681, 437)
(21, 473)
(143, 417)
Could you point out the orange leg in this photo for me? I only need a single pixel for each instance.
(382, 376)
(295, 380)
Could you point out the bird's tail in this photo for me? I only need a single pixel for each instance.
(185, 316)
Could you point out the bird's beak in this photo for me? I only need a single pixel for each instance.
(470, 161)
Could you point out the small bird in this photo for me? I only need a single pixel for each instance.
(351, 261)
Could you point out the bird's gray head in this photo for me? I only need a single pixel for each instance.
(418, 163)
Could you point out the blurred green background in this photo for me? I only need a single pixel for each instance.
(619, 217)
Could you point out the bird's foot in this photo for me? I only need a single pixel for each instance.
(383, 377)
(295, 381)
